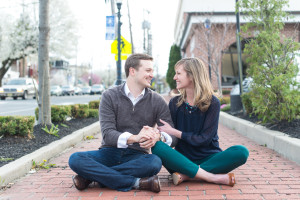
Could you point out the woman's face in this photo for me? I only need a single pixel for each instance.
(183, 81)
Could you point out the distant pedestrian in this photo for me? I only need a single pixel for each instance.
(127, 113)
(195, 114)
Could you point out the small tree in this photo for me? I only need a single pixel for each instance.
(174, 57)
(271, 61)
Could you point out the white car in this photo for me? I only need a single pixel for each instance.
(19, 87)
(97, 89)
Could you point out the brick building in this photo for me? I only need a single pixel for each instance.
(207, 29)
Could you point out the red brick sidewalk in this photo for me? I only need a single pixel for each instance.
(266, 175)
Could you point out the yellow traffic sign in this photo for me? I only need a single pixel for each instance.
(123, 57)
(125, 46)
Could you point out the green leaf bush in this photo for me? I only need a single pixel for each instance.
(79, 111)
(17, 125)
(93, 113)
(271, 57)
(94, 104)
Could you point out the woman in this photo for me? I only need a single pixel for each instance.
(195, 114)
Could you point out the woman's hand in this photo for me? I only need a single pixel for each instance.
(169, 129)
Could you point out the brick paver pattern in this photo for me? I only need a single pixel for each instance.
(266, 175)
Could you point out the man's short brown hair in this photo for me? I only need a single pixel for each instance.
(134, 61)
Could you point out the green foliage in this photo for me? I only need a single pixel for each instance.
(224, 100)
(64, 125)
(52, 131)
(247, 102)
(2, 159)
(94, 104)
(226, 108)
(58, 113)
(271, 57)
(174, 57)
(93, 113)
(19, 125)
(224, 92)
(42, 165)
(79, 111)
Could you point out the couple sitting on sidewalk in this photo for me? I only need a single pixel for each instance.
(128, 116)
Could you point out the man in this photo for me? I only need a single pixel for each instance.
(127, 114)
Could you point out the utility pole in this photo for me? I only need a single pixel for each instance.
(130, 30)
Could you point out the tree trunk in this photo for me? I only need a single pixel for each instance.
(43, 62)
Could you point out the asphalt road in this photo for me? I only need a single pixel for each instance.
(26, 107)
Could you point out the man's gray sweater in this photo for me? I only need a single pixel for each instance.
(118, 115)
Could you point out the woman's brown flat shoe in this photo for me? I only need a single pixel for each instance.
(231, 179)
(177, 178)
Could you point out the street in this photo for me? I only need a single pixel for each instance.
(26, 107)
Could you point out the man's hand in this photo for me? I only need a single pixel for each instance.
(146, 142)
(147, 133)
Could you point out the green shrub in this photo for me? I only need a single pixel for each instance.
(93, 113)
(224, 100)
(58, 113)
(271, 60)
(226, 92)
(226, 108)
(80, 111)
(94, 104)
(25, 126)
(247, 102)
(19, 125)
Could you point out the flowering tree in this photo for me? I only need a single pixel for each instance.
(20, 38)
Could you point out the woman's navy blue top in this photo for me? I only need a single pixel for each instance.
(199, 129)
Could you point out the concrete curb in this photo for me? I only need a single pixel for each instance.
(278, 141)
(21, 166)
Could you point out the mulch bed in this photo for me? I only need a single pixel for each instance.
(290, 128)
(15, 147)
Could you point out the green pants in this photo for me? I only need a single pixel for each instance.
(218, 163)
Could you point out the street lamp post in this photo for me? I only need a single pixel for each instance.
(207, 25)
(119, 79)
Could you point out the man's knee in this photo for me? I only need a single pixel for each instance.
(74, 160)
(155, 164)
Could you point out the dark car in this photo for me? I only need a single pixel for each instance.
(68, 90)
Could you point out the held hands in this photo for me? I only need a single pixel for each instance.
(148, 136)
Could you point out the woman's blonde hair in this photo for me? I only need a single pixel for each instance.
(203, 89)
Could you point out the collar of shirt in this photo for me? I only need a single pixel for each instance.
(131, 97)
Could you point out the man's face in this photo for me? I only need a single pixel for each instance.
(144, 74)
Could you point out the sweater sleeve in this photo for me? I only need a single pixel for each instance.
(107, 117)
(210, 127)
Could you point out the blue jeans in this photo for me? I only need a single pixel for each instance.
(114, 167)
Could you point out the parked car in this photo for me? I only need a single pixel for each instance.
(68, 90)
(78, 90)
(97, 89)
(86, 90)
(19, 87)
(55, 90)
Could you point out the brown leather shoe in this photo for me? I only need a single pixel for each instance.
(80, 183)
(150, 183)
